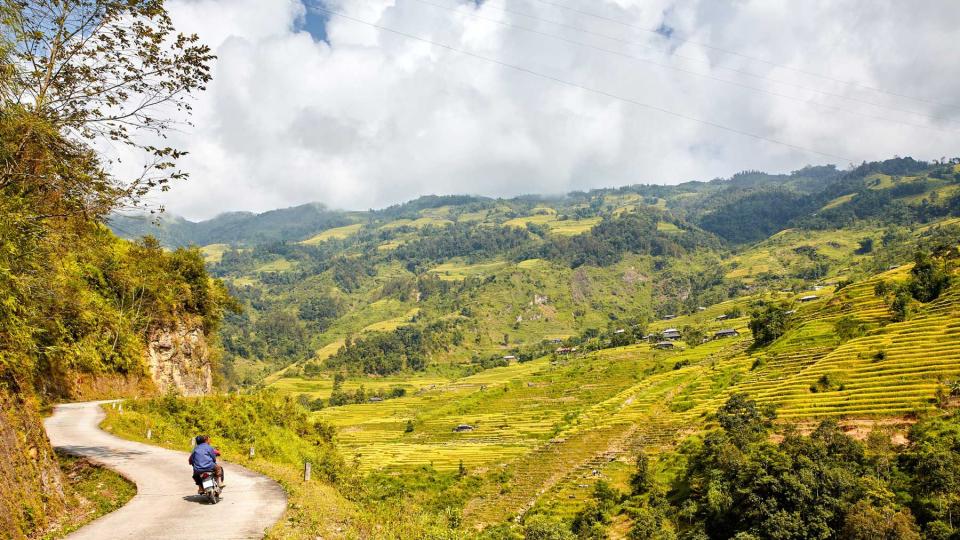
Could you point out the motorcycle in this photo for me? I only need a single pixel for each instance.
(211, 487)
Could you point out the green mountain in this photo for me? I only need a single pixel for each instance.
(443, 281)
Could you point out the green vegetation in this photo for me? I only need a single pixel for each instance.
(91, 491)
(462, 366)
(488, 377)
(77, 304)
(768, 324)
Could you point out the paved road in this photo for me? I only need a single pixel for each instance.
(166, 505)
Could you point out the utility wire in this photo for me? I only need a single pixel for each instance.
(587, 88)
(690, 72)
(739, 71)
(748, 57)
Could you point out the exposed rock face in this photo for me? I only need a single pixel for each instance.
(179, 360)
(31, 495)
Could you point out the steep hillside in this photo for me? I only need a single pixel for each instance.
(83, 314)
(482, 277)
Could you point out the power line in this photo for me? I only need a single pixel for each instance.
(693, 73)
(587, 88)
(748, 57)
(738, 71)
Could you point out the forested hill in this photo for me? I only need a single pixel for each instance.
(454, 279)
(749, 206)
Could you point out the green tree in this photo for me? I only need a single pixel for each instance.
(928, 278)
(865, 246)
(742, 419)
(768, 323)
(847, 328)
(641, 480)
(900, 305)
(103, 69)
(541, 527)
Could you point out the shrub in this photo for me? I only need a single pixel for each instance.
(848, 328)
(768, 323)
(928, 278)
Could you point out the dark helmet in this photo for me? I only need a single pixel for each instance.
(202, 439)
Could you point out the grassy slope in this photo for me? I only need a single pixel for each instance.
(551, 426)
(91, 491)
(545, 430)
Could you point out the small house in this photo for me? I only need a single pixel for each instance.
(721, 317)
(619, 331)
(809, 298)
(725, 333)
(563, 350)
(556, 341)
(669, 317)
(463, 428)
(701, 308)
(509, 358)
(663, 345)
(375, 399)
(670, 333)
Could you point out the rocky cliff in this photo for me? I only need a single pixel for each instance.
(31, 493)
(178, 359)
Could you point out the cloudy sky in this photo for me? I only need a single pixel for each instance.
(364, 103)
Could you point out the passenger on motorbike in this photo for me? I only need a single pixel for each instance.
(204, 459)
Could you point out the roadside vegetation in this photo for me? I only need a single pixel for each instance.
(90, 491)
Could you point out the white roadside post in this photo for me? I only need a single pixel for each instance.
(306, 471)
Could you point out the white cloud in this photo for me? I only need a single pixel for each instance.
(372, 118)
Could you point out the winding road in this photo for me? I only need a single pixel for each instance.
(166, 505)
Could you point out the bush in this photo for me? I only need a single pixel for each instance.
(767, 324)
(541, 527)
(928, 278)
(848, 328)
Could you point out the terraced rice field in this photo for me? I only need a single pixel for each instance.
(335, 233)
(213, 253)
(573, 227)
(457, 271)
(544, 431)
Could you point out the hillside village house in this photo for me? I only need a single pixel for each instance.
(664, 345)
(809, 298)
(725, 333)
(670, 333)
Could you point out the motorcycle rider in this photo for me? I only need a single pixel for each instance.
(204, 459)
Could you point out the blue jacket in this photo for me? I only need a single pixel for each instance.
(203, 458)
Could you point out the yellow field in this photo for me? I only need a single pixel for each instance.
(416, 223)
(392, 324)
(457, 271)
(279, 265)
(338, 233)
(666, 226)
(213, 253)
(572, 227)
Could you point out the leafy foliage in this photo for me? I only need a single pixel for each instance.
(768, 323)
(108, 69)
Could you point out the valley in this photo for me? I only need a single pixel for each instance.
(529, 353)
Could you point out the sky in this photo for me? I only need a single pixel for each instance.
(360, 104)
